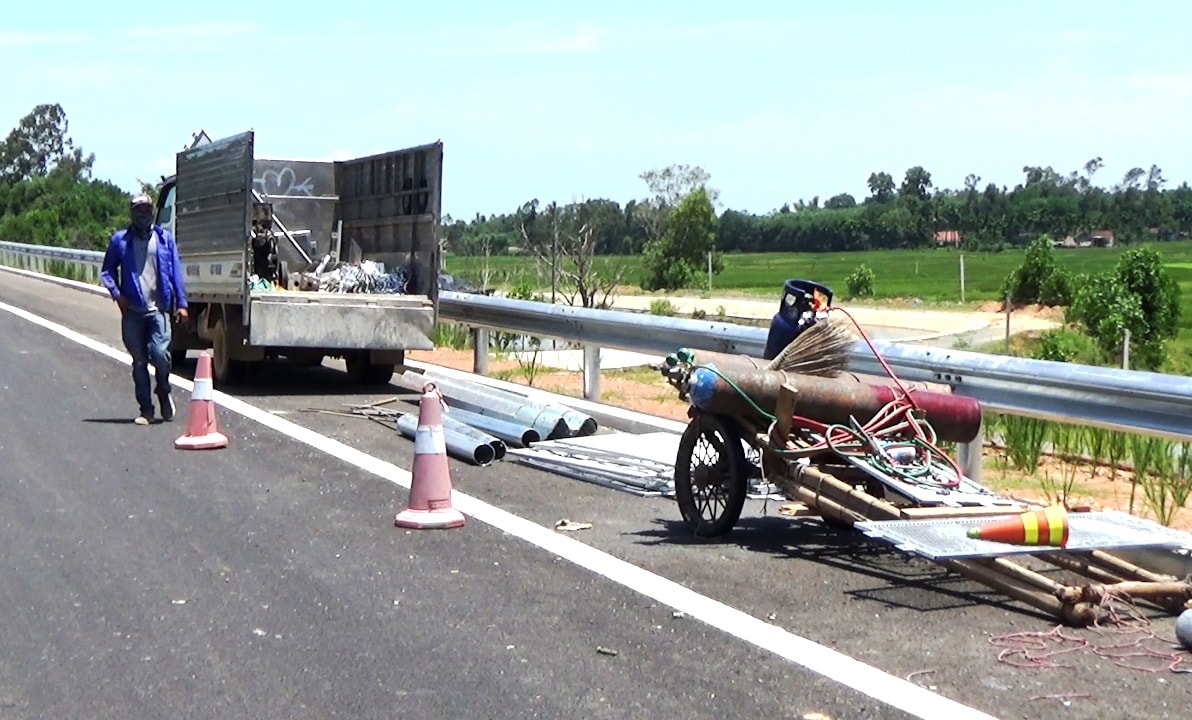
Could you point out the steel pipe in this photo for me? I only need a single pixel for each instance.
(459, 427)
(486, 401)
(463, 447)
(510, 432)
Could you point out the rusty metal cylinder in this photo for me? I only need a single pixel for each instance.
(733, 363)
(955, 418)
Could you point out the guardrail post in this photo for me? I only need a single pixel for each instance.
(970, 454)
(592, 372)
(480, 351)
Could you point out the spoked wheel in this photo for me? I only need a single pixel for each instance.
(711, 476)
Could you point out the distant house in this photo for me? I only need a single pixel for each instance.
(1095, 238)
(949, 238)
(1087, 238)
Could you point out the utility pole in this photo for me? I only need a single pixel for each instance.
(554, 250)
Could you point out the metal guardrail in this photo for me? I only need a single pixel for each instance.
(1153, 403)
(1145, 402)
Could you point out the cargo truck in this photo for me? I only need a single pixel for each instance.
(304, 260)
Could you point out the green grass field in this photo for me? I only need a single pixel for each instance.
(931, 276)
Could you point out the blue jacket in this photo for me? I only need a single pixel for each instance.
(119, 259)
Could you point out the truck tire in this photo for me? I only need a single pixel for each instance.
(365, 372)
(226, 370)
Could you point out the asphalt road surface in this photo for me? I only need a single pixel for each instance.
(267, 580)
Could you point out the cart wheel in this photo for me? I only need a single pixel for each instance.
(710, 476)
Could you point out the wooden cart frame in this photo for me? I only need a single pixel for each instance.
(720, 456)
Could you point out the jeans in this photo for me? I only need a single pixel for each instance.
(146, 335)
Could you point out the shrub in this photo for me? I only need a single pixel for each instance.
(1034, 280)
(860, 282)
(1064, 345)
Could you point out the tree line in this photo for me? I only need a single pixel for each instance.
(47, 194)
(894, 215)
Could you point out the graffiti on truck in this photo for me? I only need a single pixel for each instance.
(283, 182)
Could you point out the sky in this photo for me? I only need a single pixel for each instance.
(778, 101)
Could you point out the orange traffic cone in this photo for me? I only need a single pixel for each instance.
(1036, 527)
(201, 431)
(430, 488)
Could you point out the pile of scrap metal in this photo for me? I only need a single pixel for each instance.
(347, 277)
(865, 453)
(638, 464)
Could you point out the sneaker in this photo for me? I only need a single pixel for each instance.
(167, 407)
(143, 420)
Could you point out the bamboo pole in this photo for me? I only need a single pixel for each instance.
(1128, 569)
(1022, 591)
(1174, 593)
(1081, 565)
(857, 501)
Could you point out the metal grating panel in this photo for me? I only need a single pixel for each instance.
(213, 203)
(946, 538)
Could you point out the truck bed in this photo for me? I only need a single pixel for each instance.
(341, 320)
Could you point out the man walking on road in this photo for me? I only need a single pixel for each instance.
(143, 273)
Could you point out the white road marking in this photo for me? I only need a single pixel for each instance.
(838, 667)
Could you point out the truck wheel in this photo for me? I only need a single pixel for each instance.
(226, 370)
(361, 370)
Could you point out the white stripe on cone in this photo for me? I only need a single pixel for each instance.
(429, 440)
(202, 389)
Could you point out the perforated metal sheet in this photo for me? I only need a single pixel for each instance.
(946, 538)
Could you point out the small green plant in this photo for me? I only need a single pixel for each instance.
(1116, 447)
(1169, 483)
(662, 307)
(1096, 444)
(1025, 438)
(529, 363)
(452, 335)
(1156, 483)
(1182, 488)
(1063, 345)
(1068, 443)
(860, 282)
(1144, 450)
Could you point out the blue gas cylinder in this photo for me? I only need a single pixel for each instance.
(803, 302)
(1183, 629)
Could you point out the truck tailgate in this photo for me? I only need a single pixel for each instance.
(341, 320)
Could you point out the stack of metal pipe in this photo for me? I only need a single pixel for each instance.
(480, 421)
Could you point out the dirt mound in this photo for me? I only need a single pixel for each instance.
(1044, 312)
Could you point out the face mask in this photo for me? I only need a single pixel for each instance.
(142, 220)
